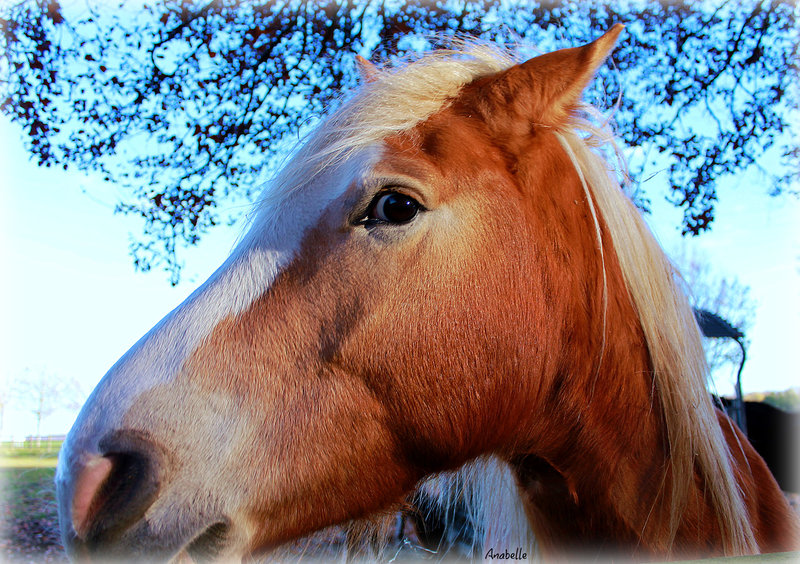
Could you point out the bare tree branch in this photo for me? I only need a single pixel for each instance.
(186, 104)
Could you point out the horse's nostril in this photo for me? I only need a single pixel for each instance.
(126, 494)
(112, 493)
(87, 486)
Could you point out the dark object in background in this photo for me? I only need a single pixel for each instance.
(775, 434)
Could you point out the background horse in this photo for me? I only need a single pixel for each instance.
(774, 434)
(445, 273)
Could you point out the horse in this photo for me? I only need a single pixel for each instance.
(445, 287)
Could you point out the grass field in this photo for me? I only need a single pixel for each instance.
(29, 454)
(28, 515)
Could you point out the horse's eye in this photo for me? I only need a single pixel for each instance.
(393, 207)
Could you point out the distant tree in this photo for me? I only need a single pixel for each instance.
(723, 295)
(186, 103)
(42, 393)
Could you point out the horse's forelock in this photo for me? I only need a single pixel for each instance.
(394, 99)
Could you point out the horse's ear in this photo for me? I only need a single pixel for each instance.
(367, 70)
(544, 89)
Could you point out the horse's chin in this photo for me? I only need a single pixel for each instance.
(208, 544)
(212, 544)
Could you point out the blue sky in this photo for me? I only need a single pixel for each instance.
(72, 303)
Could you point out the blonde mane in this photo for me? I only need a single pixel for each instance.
(673, 340)
(397, 99)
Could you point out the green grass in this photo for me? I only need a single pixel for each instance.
(29, 455)
(29, 516)
(27, 462)
(29, 492)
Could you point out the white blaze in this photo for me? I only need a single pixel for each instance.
(269, 246)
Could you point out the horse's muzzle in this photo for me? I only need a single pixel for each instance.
(104, 500)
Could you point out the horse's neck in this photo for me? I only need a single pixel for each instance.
(596, 468)
(597, 482)
(607, 489)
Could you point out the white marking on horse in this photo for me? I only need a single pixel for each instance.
(271, 243)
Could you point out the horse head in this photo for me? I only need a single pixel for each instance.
(430, 279)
